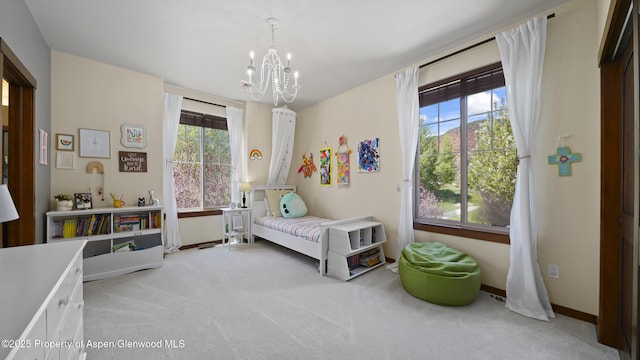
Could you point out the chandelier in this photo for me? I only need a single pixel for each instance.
(273, 73)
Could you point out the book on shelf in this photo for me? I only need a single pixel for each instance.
(70, 226)
(369, 262)
(127, 222)
(370, 257)
(371, 252)
(353, 261)
(125, 246)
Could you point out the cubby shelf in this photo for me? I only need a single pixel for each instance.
(355, 249)
(120, 240)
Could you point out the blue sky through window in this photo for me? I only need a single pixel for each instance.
(477, 104)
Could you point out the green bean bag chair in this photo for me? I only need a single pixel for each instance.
(436, 273)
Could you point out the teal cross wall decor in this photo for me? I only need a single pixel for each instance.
(563, 158)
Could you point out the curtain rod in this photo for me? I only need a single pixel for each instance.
(205, 102)
(550, 16)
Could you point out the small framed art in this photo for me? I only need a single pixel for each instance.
(133, 136)
(95, 143)
(64, 142)
(65, 160)
(325, 167)
(83, 201)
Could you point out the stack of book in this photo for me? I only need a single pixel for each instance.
(127, 223)
(370, 257)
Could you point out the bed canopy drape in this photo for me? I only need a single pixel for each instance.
(283, 129)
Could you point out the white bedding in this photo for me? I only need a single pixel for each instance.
(306, 227)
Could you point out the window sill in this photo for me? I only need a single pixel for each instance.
(199, 213)
(468, 233)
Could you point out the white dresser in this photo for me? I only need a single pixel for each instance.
(41, 301)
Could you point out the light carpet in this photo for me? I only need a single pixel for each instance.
(262, 301)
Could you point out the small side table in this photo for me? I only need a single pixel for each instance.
(236, 226)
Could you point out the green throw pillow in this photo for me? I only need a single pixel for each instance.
(292, 206)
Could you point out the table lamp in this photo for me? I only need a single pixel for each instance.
(245, 187)
(8, 210)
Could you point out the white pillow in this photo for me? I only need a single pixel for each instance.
(272, 200)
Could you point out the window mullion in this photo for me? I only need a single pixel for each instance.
(463, 160)
(202, 172)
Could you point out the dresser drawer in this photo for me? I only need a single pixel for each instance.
(71, 333)
(62, 299)
(31, 344)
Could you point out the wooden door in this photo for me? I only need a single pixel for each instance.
(617, 318)
(627, 202)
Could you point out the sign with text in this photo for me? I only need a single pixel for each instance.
(132, 161)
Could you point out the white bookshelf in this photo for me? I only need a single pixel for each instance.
(106, 253)
(353, 241)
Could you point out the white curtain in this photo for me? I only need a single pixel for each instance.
(408, 126)
(170, 121)
(234, 125)
(522, 53)
(283, 128)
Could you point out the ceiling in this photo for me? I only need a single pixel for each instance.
(336, 45)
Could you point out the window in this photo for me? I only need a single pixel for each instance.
(202, 162)
(467, 156)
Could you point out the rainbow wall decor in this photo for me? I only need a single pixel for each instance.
(255, 154)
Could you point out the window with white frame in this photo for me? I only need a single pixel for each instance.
(467, 157)
(202, 162)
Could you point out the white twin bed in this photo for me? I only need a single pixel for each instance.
(308, 235)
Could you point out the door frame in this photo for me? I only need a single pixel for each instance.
(621, 26)
(22, 87)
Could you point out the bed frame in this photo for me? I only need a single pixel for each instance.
(315, 250)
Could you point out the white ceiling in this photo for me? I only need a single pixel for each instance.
(336, 45)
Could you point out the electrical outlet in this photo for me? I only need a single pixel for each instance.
(553, 271)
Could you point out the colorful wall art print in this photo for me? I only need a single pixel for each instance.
(133, 136)
(369, 155)
(342, 162)
(325, 167)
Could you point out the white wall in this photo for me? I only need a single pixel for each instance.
(93, 95)
(568, 207)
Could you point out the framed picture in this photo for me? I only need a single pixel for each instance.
(131, 161)
(83, 201)
(64, 142)
(369, 155)
(325, 167)
(133, 136)
(65, 160)
(95, 143)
